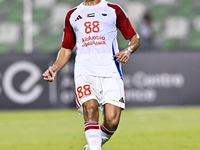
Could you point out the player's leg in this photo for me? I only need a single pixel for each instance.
(90, 110)
(92, 129)
(88, 94)
(112, 115)
(113, 102)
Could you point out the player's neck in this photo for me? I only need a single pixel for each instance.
(91, 2)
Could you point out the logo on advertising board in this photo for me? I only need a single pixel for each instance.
(28, 90)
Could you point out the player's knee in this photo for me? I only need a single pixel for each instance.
(111, 122)
(90, 112)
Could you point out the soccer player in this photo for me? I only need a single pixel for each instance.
(92, 27)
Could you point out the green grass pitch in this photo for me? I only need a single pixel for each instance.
(162, 128)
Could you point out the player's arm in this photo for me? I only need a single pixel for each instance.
(124, 55)
(62, 58)
(128, 31)
(68, 43)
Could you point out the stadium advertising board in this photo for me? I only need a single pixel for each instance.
(151, 79)
(160, 79)
(22, 86)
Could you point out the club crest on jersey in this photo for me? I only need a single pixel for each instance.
(91, 15)
(105, 14)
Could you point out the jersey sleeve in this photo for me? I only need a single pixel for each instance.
(69, 38)
(123, 23)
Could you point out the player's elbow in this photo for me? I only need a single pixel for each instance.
(135, 40)
(138, 41)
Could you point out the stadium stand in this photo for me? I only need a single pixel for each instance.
(184, 8)
(10, 32)
(15, 11)
(39, 15)
(176, 23)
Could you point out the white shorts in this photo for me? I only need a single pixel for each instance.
(103, 89)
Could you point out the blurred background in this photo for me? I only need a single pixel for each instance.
(164, 70)
(163, 25)
(161, 79)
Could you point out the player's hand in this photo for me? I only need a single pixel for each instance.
(49, 74)
(123, 56)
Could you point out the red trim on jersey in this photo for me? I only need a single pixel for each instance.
(69, 38)
(77, 99)
(123, 22)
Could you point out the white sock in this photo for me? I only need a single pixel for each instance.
(93, 135)
(105, 134)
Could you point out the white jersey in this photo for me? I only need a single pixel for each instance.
(93, 29)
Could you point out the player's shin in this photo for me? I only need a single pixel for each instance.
(93, 135)
(105, 134)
